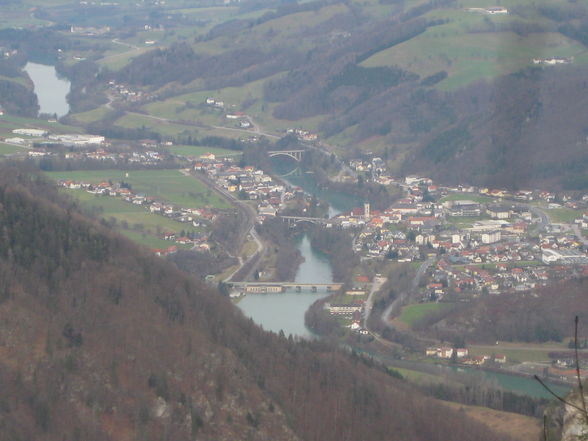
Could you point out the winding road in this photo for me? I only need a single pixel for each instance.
(248, 229)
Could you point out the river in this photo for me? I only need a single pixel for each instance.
(290, 173)
(51, 90)
(286, 311)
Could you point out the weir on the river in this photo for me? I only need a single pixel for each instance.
(278, 287)
(285, 310)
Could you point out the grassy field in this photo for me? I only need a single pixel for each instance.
(20, 80)
(166, 185)
(91, 115)
(9, 149)
(16, 122)
(466, 197)
(196, 151)
(120, 56)
(413, 313)
(133, 221)
(138, 121)
(469, 47)
(190, 106)
(519, 351)
(465, 221)
(192, 111)
(563, 215)
(247, 98)
(512, 355)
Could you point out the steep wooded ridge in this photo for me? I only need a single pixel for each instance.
(545, 314)
(100, 340)
(520, 130)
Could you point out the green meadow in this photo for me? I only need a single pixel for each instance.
(165, 185)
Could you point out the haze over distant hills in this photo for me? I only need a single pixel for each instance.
(430, 86)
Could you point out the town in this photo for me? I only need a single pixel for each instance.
(470, 241)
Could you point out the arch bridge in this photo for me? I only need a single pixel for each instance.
(294, 154)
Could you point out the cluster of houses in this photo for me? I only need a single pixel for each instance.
(241, 118)
(125, 93)
(492, 279)
(374, 170)
(462, 355)
(481, 247)
(351, 303)
(146, 157)
(302, 135)
(247, 183)
(83, 147)
(192, 216)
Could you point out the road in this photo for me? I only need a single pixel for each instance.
(579, 235)
(249, 228)
(403, 297)
(376, 285)
(122, 43)
(247, 131)
(543, 218)
(132, 49)
(256, 130)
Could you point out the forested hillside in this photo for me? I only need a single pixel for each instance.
(522, 130)
(546, 314)
(100, 340)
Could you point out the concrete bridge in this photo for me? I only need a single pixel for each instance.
(279, 287)
(296, 155)
(296, 219)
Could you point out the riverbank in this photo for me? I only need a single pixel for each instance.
(286, 311)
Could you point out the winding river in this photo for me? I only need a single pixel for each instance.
(286, 311)
(290, 173)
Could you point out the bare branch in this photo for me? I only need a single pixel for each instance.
(556, 395)
(580, 386)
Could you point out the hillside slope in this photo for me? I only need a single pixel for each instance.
(433, 87)
(100, 341)
(540, 315)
